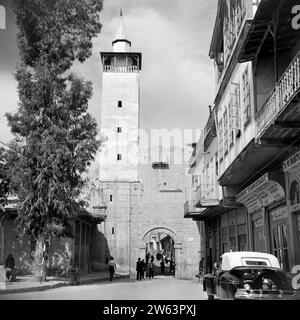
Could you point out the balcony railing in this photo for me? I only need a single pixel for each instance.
(285, 90)
(189, 208)
(207, 195)
(114, 68)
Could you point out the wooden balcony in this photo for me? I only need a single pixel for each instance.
(190, 211)
(120, 69)
(207, 196)
(279, 117)
(210, 131)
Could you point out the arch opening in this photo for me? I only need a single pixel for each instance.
(160, 247)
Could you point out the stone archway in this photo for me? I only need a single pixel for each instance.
(177, 244)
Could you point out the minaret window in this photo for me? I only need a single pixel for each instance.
(120, 104)
(119, 157)
(111, 198)
(119, 129)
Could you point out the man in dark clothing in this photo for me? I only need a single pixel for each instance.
(162, 266)
(147, 258)
(139, 269)
(10, 267)
(112, 267)
(151, 269)
(143, 269)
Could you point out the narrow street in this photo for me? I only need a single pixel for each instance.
(160, 288)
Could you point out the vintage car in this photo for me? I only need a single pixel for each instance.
(248, 275)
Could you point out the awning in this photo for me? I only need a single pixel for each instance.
(212, 212)
(287, 36)
(261, 193)
(292, 165)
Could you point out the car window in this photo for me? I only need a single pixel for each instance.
(256, 262)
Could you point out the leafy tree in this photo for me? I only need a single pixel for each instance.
(4, 180)
(57, 134)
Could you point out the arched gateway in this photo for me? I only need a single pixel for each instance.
(162, 242)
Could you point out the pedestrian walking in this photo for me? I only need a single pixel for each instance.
(10, 267)
(201, 270)
(139, 269)
(143, 269)
(162, 266)
(147, 258)
(112, 267)
(151, 269)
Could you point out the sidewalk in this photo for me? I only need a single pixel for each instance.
(26, 284)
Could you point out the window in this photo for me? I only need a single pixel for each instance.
(225, 121)
(255, 263)
(246, 97)
(220, 140)
(227, 39)
(119, 130)
(233, 21)
(235, 116)
(112, 230)
(119, 157)
(294, 193)
(111, 198)
(120, 104)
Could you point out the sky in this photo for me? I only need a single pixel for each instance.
(177, 79)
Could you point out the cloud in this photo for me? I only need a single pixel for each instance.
(177, 78)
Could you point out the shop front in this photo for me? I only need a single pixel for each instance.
(267, 215)
(291, 167)
(234, 230)
(279, 236)
(226, 232)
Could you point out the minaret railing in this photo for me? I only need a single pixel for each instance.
(114, 68)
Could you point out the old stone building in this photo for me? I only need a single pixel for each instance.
(142, 199)
(253, 132)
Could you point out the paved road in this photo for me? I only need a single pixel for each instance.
(159, 288)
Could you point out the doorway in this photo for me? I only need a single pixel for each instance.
(160, 246)
(280, 245)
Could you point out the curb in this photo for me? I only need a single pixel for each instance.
(59, 285)
(34, 289)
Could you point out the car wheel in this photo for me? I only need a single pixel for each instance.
(210, 297)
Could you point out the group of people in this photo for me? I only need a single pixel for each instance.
(162, 265)
(142, 267)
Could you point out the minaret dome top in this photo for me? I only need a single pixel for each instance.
(121, 42)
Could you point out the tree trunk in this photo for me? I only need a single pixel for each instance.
(39, 273)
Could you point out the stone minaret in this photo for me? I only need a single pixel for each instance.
(119, 157)
(120, 109)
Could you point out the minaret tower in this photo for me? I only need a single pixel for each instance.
(119, 156)
(120, 109)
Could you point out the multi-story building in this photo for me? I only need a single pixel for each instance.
(256, 113)
(270, 184)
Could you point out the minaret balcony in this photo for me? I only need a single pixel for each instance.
(121, 69)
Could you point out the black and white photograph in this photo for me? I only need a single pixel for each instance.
(150, 151)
